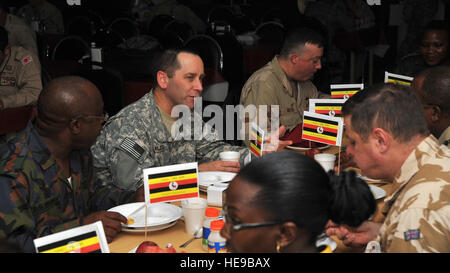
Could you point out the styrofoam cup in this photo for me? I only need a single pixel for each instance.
(229, 156)
(326, 161)
(193, 211)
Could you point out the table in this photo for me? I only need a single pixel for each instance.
(176, 235)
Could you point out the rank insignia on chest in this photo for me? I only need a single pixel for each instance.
(8, 81)
(412, 234)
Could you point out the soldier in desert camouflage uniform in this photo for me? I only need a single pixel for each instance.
(20, 75)
(139, 136)
(389, 140)
(47, 181)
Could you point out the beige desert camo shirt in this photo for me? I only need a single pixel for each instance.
(417, 208)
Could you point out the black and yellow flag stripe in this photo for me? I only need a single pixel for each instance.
(85, 243)
(173, 185)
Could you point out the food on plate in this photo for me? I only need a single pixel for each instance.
(312, 152)
(152, 247)
(130, 221)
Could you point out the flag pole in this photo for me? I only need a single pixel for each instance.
(146, 219)
(339, 161)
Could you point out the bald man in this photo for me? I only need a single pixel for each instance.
(432, 87)
(47, 183)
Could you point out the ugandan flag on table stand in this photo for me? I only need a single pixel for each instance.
(345, 91)
(256, 140)
(397, 79)
(322, 128)
(85, 239)
(330, 107)
(171, 183)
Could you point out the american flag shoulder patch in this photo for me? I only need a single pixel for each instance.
(412, 234)
(132, 148)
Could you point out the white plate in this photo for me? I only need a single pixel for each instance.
(327, 241)
(367, 178)
(206, 179)
(159, 216)
(291, 147)
(378, 192)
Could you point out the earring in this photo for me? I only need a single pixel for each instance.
(278, 247)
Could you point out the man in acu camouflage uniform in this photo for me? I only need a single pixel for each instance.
(389, 140)
(20, 75)
(47, 181)
(139, 136)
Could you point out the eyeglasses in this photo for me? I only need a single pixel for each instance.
(105, 117)
(238, 227)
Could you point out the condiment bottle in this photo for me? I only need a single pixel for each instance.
(211, 214)
(216, 243)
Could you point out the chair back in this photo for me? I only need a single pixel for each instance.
(15, 119)
(208, 49)
(108, 38)
(134, 90)
(125, 27)
(70, 48)
(181, 28)
(156, 25)
(271, 32)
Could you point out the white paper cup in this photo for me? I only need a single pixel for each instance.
(229, 156)
(326, 161)
(194, 212)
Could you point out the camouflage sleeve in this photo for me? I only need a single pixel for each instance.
(420, 230)
(23, 222)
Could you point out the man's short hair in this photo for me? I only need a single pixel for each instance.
(297, 38)
(3, 38)
(436, 87)
(392, 107)
(167, 61)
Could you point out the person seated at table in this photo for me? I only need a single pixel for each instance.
(390, 141)
(432, 89)
(142, 135)
(20, 75)
(286, 81)
(19, 33)
(47, 182)
(282, 201)
(433, 50)
(48, 17)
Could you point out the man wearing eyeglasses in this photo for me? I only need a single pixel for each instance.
(286, 80)
(47, 181)
(432, 88)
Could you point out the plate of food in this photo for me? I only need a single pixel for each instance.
(377, 192)
(206, 179)
(305, 145)
(159, 216)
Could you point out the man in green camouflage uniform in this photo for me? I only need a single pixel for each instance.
(47, 182)
(389, 140)
(432, 88)
(139, 136)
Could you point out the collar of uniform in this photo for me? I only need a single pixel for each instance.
(281, 75)
(41, 153)
(409, 168)
(445, 137)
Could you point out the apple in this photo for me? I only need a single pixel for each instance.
(147, 247)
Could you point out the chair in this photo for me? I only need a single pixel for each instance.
(181, 28)
(125, 27)
(208, 49)
(221, 13)
(15, 119)
(134, 90)
(110, 83)
(270, 32)
(156, 25)
(106, 37)
(70, 48)
(171, 40)
(83, 26)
